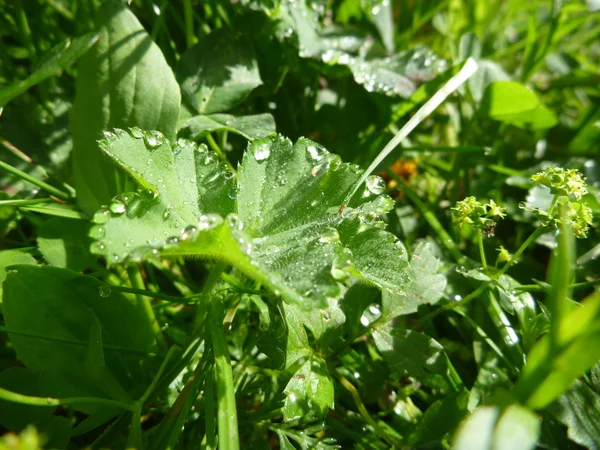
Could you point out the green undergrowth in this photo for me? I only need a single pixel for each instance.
(299, 224)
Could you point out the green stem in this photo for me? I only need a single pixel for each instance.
(24, 176)
(363, 410)
(152, 294)
(188, 12)
(481, 249)
(545, 287)
(209, 408)
(49, 401)
(532, 237)
(227, 414)
(431, 219)
(213, 144)
(211, 282)
(26, 32)
(145, 305)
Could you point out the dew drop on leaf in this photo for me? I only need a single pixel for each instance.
(102, 216)
(136, 132)
(104, 291)
(97, 232)
(148, 194)
(228, 174)
(97, 248)
(117, 208)
(167, 214)
(208, 221)
(172, 240)
(261, 151)
(153, 138)
(109, 136)
(375, 184)
(329, 236)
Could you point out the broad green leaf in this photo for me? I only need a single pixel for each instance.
(218, 73)
(579, 410)
(410, 352)
(279, 222)
(49, 313)
(15, 416)
(286, 341)
(549, 372)
(52, 64)
(442, 417)
(488, 428)
(309, 394)
(123, 81)
(426, 285)
(56, 431)
(512, 102)
(505, 99)
(10, 258)
(250, 127)
(65, 243)
(398, 75)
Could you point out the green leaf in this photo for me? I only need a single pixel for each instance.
(504, 100)
(52, 64)
(398, 75)
(578, 409)
(281, 224)
(57, 432)
(251, 127)
(123, 81)
(218, 73)
(426, 284)
(409, 352)
(10, 258)
(511, 102)
(49, 313)
(309, 394)
(516, 428)
(440, 418)
(65, 243)
(15, 416)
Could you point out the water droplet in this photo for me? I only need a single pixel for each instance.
(329, 236)
(522, 205)
(209, 158)
(117, 208)
(172, 240)
(97, 232)
(109, 136)
(234, 222)
(104, 291)
(190, 230)
(232, 194)
(167, 214)
(208, 221)
(153, 138)
(375, 184)
(338, 274)
(136, 132)
(97, 248)
(261, 151)
(148, 194)
(281, 179)
(102, 216)
(228, 174)
(315, 151)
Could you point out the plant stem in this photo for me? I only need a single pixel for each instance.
(45, 186)
(362, 410)
(227, 414)
(144, 304)
(431, 219)
(49, 401)
(532, 237)
(481, 249)
(209, 411)
(213, 144)
(188, 12)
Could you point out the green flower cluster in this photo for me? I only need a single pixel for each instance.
(481, 216)
(562, 182)
(568, 187)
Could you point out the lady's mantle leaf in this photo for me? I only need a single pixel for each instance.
(251, 127)
(280, 223)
